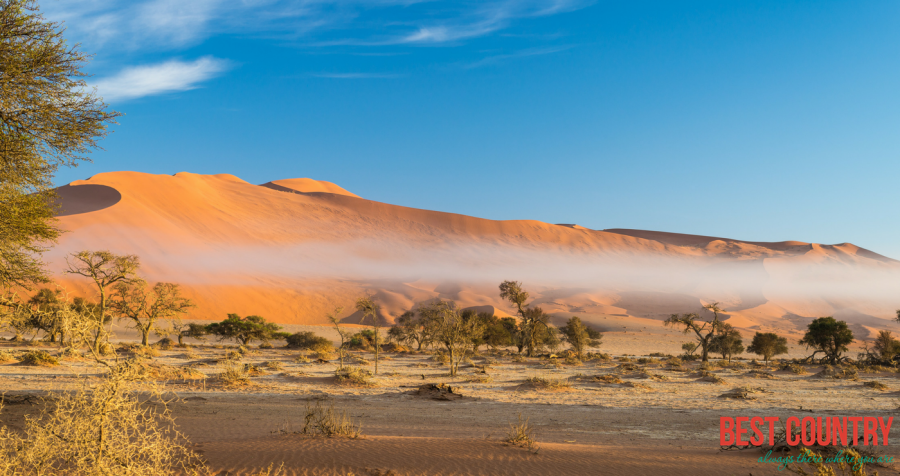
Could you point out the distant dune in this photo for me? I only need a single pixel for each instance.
(293, 249)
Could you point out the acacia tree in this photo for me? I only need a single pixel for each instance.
(768, 345)
(705, 330)
(828, 336)
(46, 308)
(727, 342)
(455, 330)
(145, 306)
(411, 328)
(580, 336)
(369, 311)
(244, 329)
(534, 330)
(105, 269)
(886, 347)
(48, 118)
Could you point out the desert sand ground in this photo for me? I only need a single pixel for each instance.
(656, 420)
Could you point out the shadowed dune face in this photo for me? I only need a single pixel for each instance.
(293, 257)
(77, 199)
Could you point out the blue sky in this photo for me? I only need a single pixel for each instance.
(766, 120)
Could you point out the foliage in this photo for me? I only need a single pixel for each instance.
(452, 328)
(768, 345)
(49, 118)
(410, 329)
(244, 329)
(580, 336)
(105, 269)
(828, 336)
(144, 307)
(728, 342)
(366, 305)
(705, 330)
(309, 341)
(885, 348)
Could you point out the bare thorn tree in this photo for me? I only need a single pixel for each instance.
(105, 269)
(343, 333)
(145, 306)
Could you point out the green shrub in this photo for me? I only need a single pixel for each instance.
(309, 341)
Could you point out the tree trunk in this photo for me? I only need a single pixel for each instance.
(145, 332)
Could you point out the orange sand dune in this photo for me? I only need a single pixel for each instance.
(292, 257)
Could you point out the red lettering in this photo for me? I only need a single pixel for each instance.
(839, 429)
(726, 431)
(809, 436)
(791, 421)
(754, 425)
(855, 420)
(870, 431)
(885, 429)
(821, 436)
(772, 420)
(740, 430)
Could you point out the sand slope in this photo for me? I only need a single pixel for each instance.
(291, 250)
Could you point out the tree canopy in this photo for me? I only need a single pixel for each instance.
(828, 336)
(244, 329)
(48, 118)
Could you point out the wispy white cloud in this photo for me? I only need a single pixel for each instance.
(488, 60)
(150, 80)
(356, 75)
(171, 24)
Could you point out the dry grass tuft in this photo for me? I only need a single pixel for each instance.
(548, 383)
(792, 368)
(521, 434)
(273, 365)
(354, 376)
(479, 378)
(7, 356)
(37, 357)
(329, 423)
(613, 379)
(743, 393)
(876, 385)
(233, 375)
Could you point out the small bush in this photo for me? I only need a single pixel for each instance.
(328, 423)
(302, 359)
(266, 345)
(876, 385)
(548, 383)
(354, 376)
(613, 379)
(793, 368)
(6, 356)
(309, 341)
(521, 434)
(146, 352)
(234, 375)
(38, 357)
(273, 365)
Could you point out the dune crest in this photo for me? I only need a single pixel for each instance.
(292, 257)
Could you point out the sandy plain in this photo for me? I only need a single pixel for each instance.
(657, 420)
